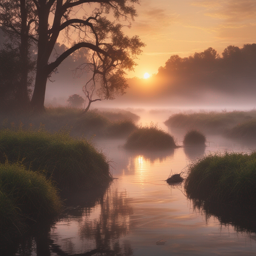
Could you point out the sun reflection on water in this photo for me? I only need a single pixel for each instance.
(142, 167)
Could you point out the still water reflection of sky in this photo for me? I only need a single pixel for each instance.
(140, 209)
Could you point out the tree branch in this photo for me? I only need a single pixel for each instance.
(70, 5)
(71, 22)
(36, 3)
(64, 55)
(50, 3)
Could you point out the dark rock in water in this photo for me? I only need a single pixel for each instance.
(175, 178)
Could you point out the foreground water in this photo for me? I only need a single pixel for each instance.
(140, 214)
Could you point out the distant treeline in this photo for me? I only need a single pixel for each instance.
(234, 71)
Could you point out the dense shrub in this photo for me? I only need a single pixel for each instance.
(150, 138)
(194, 138)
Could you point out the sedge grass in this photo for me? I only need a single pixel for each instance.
(150, 138)
(26, 198)
(70, 163)
(227, 179)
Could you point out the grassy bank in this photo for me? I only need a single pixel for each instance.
(150, 138)
(26, 199)
(209, 122)
(228, 179)
(70, 163)
(93, 123)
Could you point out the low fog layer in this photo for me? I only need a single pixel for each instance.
(205, 78)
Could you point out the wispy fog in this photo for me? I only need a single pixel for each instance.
(203, 79)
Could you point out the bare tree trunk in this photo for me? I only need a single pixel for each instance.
(37, 101)
(22, 98)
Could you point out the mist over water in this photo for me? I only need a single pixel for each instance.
(139, 209)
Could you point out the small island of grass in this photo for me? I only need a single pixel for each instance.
(27, 199)
(194, 138)
(150, 138)
(224, 179)
(70, 163)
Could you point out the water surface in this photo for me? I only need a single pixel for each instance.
(140, 214)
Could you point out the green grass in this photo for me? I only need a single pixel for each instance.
(26, 198)
(93, 123)
(245, 131)
(150, 138)
(210, 122)
(70, 163)
(194, 138)
(229, 179)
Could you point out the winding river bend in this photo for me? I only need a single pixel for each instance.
(140, 214)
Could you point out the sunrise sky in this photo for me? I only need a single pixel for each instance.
(183, 27)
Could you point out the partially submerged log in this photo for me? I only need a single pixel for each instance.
(174, 179)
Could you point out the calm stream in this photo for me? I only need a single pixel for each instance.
(140, 214)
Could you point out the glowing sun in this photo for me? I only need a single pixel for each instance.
(146, 76)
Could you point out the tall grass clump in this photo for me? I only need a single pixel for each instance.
(227, 179)
(150, 138)
(194, 138)
(70, 163)
(26, 198)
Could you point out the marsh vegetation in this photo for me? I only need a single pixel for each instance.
(225, 179)
(93, 123)
(150, 138)
(209, 122)
(194, 138)
(70, 163)
(27, 199)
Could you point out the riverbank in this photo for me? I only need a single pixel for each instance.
(225, 179)
(70, 163)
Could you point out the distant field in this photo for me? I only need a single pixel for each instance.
(209, 122)
(103, 123)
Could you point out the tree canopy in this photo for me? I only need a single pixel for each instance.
(91, 24)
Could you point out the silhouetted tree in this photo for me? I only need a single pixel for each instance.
(234, 71)
(16, 19)
(9, 75)
(115, 52)
(75, 101)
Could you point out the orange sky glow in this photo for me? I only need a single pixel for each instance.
(170, 27)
